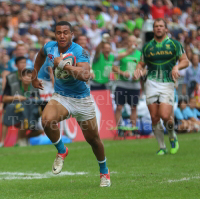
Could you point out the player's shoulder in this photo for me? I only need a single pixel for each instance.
(174, 41)
(50, 44)
(79, 50)
(147, 44)
(76, 46)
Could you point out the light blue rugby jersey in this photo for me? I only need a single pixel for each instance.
(44, 71)
(69, 87)
(12, 66)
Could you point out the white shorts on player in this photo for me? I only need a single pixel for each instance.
(161, 92)
(48, 90)
(82, 109)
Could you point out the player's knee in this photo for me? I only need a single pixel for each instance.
(155, 119)
(47, 121)
(166, 118)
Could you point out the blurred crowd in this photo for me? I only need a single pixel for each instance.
(25, 26)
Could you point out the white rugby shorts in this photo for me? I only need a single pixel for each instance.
(162, 92)
(48, 90)
(82, 109)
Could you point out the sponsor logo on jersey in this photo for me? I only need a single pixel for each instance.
(167, 46)
(51, 57)
(162, 52)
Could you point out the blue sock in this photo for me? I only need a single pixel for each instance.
(103, 167)
(60, 146)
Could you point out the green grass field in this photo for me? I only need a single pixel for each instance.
(136, 172)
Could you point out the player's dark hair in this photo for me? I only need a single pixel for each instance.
(64, 23)
(19, 59)
(160, 19)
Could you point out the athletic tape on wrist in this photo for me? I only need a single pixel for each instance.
(62, 64)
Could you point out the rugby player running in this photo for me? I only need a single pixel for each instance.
(71, 98)
(161, 55)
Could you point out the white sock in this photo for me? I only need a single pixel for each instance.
(159, 133)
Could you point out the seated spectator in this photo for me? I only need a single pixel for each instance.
(19, 88)
(184, 118)
(192, 106)
(196, 95)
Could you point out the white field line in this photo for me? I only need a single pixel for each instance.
(30, 176)
(182, 179)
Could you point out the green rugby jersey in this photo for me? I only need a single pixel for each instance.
(161, 58)
(102, 68)
(129, 63)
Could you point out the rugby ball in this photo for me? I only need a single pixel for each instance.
(70, 59)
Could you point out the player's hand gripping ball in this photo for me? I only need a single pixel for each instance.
(70, 59)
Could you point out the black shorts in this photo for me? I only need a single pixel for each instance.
(130, 96)
(96, 88)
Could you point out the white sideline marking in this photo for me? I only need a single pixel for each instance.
(30, 176)
(183, 179)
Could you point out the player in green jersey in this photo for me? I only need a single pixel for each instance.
(161, 55)
(127, 89)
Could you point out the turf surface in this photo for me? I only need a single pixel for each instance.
(136, 172)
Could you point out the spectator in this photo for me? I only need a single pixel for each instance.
(193, 108)
(127, 90)
(102, 66)
(99, 17)
(192, 75)
(159, 10)
(19, 89)
(186, 14)
(196, 95)
(183, 116)
(94, 34)
(103, 62)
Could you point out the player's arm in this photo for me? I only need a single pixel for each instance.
(186, 81)
(81, 71)
(183, 63)
(51, 75)
(140, 70)
(39, 61)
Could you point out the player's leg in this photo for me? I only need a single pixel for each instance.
(152, 96)
(157, 127)
(90, 132)
(53, 113)
(166, 113)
